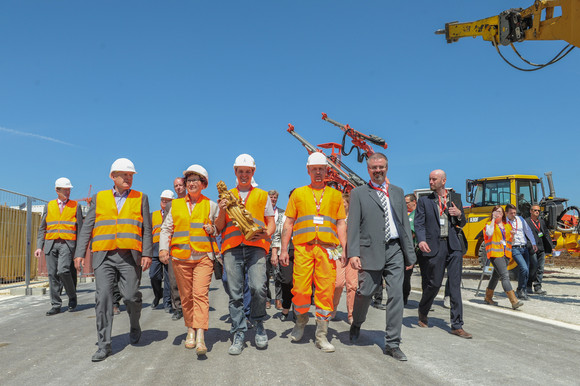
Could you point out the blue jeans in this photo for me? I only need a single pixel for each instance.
(247, 296)
(235, 262)
(166, 287)
(522, 257)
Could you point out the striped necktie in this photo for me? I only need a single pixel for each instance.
(385, 203)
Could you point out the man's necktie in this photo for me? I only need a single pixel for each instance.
(385, 204)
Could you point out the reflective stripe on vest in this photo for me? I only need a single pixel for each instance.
(494, 246)
(188, 232)
(255, 204)
(114, 230)
(61, 225)
(156, 222)
(305, 230)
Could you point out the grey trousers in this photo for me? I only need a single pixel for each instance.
(58, 263)
(117, 264)
(175, 299)
(500, 271)
(370, 281)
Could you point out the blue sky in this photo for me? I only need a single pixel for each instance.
(169, 84)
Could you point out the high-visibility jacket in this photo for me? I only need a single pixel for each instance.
(188, 232)
(494, 244)
(305, 229)
(114, 230)
(255, 204)
(156, 222)
(61, 225)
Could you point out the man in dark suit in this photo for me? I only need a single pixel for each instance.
(380, 243)
(438, 219)
(544, 245)
(61, 222)
(119, 224)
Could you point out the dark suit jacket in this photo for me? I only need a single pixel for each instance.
(427, 226)
(366, 227)
(89, 223)
(543, 243)
(46, 245)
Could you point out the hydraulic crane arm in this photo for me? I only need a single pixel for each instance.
(516, 25)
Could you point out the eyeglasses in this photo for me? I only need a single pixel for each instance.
(535, 210)
(192, 180)
(377, 167)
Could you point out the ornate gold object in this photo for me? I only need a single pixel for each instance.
(238, 212)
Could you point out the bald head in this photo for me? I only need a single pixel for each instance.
(179, 187)
(437, 180)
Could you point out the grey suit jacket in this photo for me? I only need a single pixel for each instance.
(366, 227)
(46, 245)
(89, 223)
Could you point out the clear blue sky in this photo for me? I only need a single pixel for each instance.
(173, 83)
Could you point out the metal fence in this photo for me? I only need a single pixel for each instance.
(20, 217)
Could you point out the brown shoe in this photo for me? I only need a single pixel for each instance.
(460, 332)
(278, 304)
(423, 320)
(268, 305)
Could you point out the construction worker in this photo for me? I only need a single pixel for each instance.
(316, 215)
(119, 224)
(240, 253)
(156, 270)
(170, 281)
(60, 224)
(189, 226)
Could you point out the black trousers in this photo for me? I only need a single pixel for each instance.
(284, 275)
(432, 272)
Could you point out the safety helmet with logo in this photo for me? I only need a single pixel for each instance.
(316, 158)
(122, 165)
(62, 182)
(167, 194)
(245, 160)
(200, 171)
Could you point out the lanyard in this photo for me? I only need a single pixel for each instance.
(248, 196)
(442, 207)
(317, 203)
(537, 225)
(385, 190)
(502, 232)
(516, 222)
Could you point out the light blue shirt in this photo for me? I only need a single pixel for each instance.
(120, 198)
(392, 226)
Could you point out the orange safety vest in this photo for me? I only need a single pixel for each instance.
(305, 230)
(188, 232)
(255, 204)
(156, 221)
(494, 245)
(61, 225)
(114, 230)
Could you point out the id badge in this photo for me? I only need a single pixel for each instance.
(444, 225)
(318, 220)
(540, 234)
(441, 221)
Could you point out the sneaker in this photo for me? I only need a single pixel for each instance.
(446, 302)
(261, 339)
(539, 291)
(237, 344)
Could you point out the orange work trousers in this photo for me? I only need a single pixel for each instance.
(312, 265)
(193, 279)
(345, 276)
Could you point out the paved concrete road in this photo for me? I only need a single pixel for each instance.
(506, 349)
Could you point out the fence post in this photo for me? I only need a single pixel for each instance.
(28, 243)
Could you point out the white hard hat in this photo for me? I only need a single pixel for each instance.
(316, 158)
(62, 182)
(167, 194)
(196, 169)
(122, 165)
(245, 160)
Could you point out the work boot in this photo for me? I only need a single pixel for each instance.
(538, 290)
(237, 344)
(321, 332)
(513, 300)
(261, 339)
(298, 330)
(489, 297)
